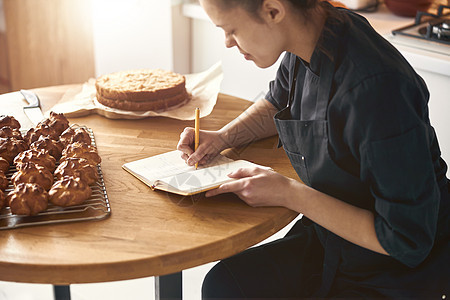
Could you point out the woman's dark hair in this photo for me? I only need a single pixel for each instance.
(304, 7)
(253, 6)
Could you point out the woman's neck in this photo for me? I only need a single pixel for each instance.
(303, 34)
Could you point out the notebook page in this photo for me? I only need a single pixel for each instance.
(159, 166)
(165, 165)
(207, 177)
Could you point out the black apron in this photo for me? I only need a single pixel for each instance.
(306, 144)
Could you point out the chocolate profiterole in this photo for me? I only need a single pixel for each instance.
(71, 135)
(57, 122)
(9, 132)
(78, 168)
(2, 200)
(38, 157)
(27, 199)
(4, 182)
(54, 147)
(31, 173)
(81, 150)
(69, 191)
(33, 134)
(9, 121)
(4, 165)
(10, 147)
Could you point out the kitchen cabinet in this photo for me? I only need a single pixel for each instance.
(52, 42)
(45, 42)
(4, 69)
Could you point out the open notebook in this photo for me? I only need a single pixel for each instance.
(169, 172)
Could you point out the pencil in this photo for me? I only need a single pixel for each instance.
(197, 131)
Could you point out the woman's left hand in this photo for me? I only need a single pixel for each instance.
(257, 187)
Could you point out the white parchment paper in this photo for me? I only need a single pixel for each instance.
(204, 88)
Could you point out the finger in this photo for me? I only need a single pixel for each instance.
(186, 141)
(220, 190)
(185, 150)
(184, 156)
(230, 187)
(213, 192)
(205, 159)
(197, 156)
(246, 172)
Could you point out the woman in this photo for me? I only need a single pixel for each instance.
(352, 117)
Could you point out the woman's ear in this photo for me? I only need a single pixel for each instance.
(273, 11)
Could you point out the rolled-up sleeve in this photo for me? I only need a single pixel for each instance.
(406, 193)
(387, 129)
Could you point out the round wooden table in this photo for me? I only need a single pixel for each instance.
(149, 233)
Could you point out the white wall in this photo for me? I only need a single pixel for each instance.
(439, 106)
(137, 34)
(241, 78)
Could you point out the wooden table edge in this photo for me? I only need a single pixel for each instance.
(139, 268)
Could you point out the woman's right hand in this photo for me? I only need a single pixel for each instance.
(211, 144)
(253, 124)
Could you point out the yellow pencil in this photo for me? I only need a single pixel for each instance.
(197, 131)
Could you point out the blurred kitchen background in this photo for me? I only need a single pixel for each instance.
(53, 42)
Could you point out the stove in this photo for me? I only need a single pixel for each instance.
(429, 32)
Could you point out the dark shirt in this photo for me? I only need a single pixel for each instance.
(379, 131)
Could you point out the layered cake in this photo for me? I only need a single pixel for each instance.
(142, 90)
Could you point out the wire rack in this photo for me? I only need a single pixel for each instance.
(95, 208)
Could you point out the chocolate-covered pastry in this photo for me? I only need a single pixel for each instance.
(10, 147)
(69, 191)
(39, 157)
(31, 173)
(27, 199)
(79, 168)
(57, 122)
(33, 134)
(9, 132)
(4, 165)
(71, 135)
(3, 181)
(81, 150)
(53, 147)
(9, 121)
(2, 200)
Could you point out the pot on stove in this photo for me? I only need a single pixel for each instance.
(408, 8)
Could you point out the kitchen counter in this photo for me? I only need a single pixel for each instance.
(384, 22)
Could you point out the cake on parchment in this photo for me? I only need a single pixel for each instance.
(142, 90)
